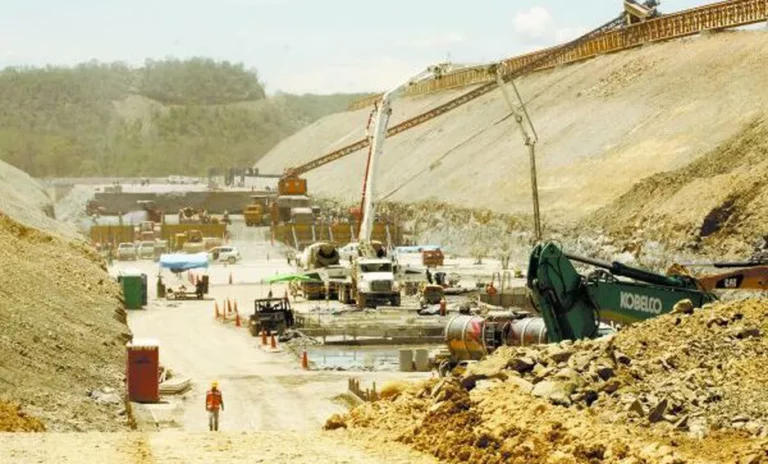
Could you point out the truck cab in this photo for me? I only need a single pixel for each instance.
(374, 282)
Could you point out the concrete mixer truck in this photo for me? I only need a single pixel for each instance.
(321, 262)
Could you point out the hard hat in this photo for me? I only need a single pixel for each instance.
(215, 384)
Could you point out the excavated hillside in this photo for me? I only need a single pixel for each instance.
(719, 199)
(604, 125)
(62, 326)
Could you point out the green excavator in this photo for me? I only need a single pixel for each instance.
(573, 305)
(570, 305)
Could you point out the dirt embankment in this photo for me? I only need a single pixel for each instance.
(62, 326)
(62, 330)
(717, 203)
(604, 125)
(682, 388)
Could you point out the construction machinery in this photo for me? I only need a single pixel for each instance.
(571, 305)
(193, 241)
(270, 315)
(321, 262)
(637, 12)
(372, 278)
(746, 275)
(255, 212)
(253, 215)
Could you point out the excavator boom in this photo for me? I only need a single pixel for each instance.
(750, 278)
(573, 305)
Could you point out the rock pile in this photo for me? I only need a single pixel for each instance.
(684, 387)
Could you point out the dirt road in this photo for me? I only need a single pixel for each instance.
(186, 447)
(262, 390)
(274, 410)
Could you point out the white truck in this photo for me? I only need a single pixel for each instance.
(371, 276)
(371, 282)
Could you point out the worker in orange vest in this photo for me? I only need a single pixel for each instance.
(490, 289)
(213, 402)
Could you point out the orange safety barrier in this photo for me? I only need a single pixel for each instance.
(304, 360)
(272, 342)
(263, 338)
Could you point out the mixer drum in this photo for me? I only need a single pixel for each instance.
(526, 331)
(464, 337)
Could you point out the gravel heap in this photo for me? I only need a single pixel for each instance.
(684, 387)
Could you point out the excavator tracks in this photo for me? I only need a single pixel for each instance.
(608, 38)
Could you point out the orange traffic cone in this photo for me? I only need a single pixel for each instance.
(229, 306)
(273, 342)
(230, 278)
(263, 338)
(237, 319)
(223, 311)
(236, 307)
(304, 360)
(216, 309)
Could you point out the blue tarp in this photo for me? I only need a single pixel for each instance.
(183, 262)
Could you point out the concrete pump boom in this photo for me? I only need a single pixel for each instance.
(376, 140)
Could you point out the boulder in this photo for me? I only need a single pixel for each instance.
(559, 354)
(683, 307)
(557, 392)
(657, 412)
(521, 363)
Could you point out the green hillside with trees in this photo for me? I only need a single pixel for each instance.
(166, 117)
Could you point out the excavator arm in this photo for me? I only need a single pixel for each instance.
(573, 305)
(749, 275)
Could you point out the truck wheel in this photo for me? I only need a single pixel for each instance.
(394, 300)
(231, 260)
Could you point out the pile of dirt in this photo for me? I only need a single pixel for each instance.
(62, 331)
(717, 203)
(684, 387)
(13, 419)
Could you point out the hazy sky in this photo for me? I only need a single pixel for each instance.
(319, 46)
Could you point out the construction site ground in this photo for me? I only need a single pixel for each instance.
(274, 410)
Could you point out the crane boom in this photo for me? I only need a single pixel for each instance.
(537, 62)
(376, 143)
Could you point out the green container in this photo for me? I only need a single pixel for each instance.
(133, 288)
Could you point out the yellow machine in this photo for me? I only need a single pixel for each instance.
(254, 215)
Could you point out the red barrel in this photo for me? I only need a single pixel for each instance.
(142, 371)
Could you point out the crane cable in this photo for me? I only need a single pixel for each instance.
(436, 162)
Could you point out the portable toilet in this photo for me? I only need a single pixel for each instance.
(134, 284)
(142, 368)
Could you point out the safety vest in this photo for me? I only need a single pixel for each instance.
(213, 400)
